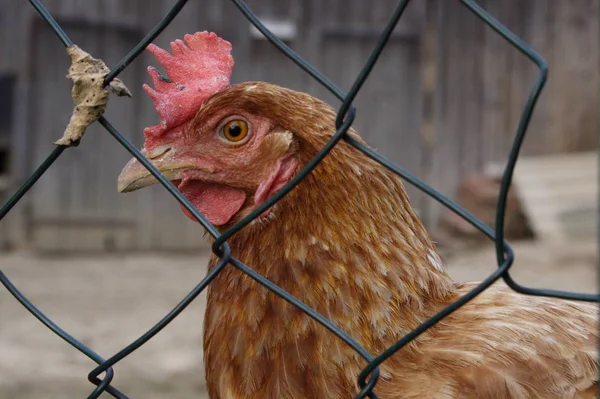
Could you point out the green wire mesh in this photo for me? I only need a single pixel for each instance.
(367, 379)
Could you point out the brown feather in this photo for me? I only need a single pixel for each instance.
(347, 243)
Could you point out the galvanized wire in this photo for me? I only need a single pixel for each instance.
(367, 379)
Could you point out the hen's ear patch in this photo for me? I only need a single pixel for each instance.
(278, 142)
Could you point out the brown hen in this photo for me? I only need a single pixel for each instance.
(347, 243)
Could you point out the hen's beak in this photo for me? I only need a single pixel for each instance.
(135, 176)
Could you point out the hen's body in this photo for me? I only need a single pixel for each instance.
(347, 243)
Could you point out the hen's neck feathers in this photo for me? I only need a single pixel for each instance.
(345, 238)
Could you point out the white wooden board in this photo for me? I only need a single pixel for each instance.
(559, 194)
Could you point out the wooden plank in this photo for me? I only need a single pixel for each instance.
(49, 239)
(548, 209)
(452, 46)
(428, 84)
(496, 75)
(561, 164)
(573, 193)
(559, 206)
(123, 114)
(49, 112)
(8, 83)
(561, 176)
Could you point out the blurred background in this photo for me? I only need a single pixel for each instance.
(444, 102)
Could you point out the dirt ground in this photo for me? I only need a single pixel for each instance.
(110, 301)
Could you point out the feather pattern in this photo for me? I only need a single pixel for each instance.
(347, 243)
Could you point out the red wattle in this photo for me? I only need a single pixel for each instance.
(217, 202)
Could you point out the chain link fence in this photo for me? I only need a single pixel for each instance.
(103, 374)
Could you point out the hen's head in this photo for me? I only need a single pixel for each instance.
(226, 148)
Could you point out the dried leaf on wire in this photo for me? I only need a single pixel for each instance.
(90, 97)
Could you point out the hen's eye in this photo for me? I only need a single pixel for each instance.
(235, 130)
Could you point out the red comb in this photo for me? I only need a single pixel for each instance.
(200, 66)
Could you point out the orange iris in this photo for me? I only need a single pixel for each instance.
(235, 130)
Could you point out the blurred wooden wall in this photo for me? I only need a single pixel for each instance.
(443, 101)
(481, 84)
